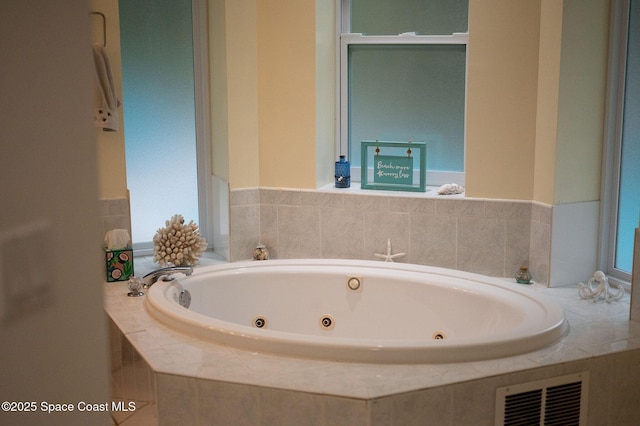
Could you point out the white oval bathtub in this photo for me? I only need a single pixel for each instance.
(401, 313)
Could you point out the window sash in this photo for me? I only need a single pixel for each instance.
(612, 154)
(422, 19)
(346, 40)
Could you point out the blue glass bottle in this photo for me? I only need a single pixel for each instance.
(343, 173)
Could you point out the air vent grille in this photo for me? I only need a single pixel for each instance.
(550, 402)
(563, 404)
(523, 408)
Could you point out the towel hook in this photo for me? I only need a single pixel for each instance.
(104, 27)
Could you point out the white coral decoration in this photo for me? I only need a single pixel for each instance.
(178, 244)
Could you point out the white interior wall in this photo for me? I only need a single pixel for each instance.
(52, 322)
(574, 242)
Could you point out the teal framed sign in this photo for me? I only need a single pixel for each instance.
(389, 166)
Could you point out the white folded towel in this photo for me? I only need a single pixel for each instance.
(117, 239)
(106, 99)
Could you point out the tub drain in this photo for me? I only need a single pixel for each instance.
(439, 335)
(260, 322)
(326, 322)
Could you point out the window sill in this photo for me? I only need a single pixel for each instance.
(355, 188)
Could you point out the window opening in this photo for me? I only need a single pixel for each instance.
(163, 134)
(629, 187)
(403, 78)
(621, 193)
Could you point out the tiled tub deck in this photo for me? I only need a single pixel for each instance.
(183, 380)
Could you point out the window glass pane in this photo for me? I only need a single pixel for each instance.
(409, 92)
(159, 113)
(629, 197)
(393, 17)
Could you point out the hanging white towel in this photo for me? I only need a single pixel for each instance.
(106, 99)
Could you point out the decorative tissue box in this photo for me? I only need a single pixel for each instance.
(119, 264)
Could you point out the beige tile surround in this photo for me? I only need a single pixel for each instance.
(490, 237)
(115, 214)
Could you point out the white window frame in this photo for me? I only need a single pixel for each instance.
(200, 16)
(612, 152)
(345, 39)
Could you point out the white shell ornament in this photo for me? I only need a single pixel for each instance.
(261, 252)
(603, 290)
(450, 189)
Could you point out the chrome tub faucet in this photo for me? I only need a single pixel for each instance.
(150, 279)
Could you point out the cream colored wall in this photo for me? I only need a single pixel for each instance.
(111, 165)
(242, 92)
(325, 91)
(534, 101)
(502, 73)
(581, 100)
(293, 60)
(547, 100)
(263, 62)
(535, 95)
(287, 93)
(571, 100)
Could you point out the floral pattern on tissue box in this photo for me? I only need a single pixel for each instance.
(119, 264)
